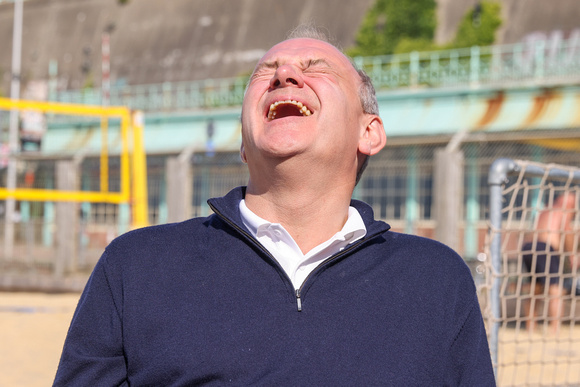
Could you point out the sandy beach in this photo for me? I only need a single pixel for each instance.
(33, 327)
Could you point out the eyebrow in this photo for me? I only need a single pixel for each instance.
(316, 62)
(305, 65)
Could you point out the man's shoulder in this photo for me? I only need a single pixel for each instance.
(417, 242)
(420, 250)
(189, 232)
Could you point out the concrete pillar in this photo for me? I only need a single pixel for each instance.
(66, 220)
(448, 196)
(179, 189)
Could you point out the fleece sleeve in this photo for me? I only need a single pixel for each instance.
(93, 349)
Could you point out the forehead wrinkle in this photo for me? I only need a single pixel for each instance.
(337, 59)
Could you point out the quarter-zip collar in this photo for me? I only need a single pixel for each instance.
(227, 208)
(275, 238)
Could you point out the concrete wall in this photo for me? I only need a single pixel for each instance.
(181, 40)
(156, 41)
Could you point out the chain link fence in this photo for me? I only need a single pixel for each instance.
(399, 184)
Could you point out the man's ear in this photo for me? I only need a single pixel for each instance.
(373, 137)
(243, 154)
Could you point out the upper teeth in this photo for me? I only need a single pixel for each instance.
(302, 108)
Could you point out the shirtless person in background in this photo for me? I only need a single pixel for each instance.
(556, 239)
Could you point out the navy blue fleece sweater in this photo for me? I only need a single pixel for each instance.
(202, 302)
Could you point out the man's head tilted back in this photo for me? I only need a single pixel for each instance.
(307, 103)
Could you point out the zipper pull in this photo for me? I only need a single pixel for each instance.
(298, 301)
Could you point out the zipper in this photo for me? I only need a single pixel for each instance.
(251, 237)
(298, 292)
(298, 301)
(327, 260)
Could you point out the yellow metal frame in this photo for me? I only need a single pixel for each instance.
(135, 194)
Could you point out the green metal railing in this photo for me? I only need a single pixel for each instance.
(541, 63)
(210, 93)
(490, 65)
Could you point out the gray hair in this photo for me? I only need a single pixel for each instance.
(370, 105)
(367, 94)
(308, 30)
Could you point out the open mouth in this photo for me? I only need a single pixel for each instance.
(288, 108)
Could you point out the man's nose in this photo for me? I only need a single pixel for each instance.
(286, 75)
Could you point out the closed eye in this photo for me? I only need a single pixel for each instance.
(265, 70)
(317, 65)
(262, 74)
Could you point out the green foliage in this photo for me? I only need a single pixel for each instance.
(402, 26)
(389, 22)
(478, 27)
(370, 39)
(406, 45)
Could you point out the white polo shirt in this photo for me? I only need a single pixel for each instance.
(282, 246)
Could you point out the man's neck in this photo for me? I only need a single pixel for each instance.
(303, 206)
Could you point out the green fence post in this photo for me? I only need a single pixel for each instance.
(414, 69)
(474, 65)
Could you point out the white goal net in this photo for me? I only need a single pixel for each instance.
(531, 291)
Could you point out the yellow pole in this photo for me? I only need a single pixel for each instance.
(140, 197)
(138, 159)
(125, 171)
(89, 196)
(50, 195)
(63, 108)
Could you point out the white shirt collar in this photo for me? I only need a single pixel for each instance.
(282, 246)
(353, 229)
